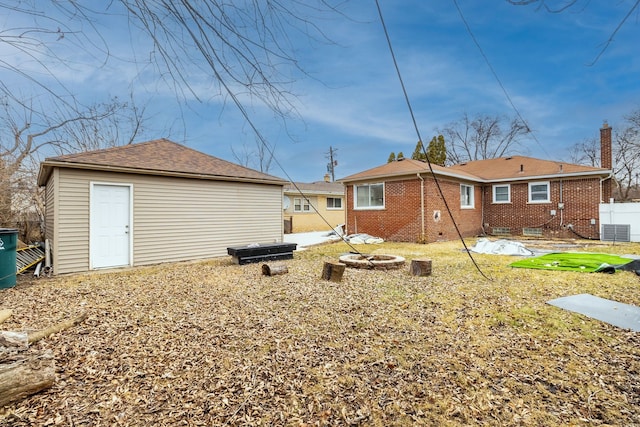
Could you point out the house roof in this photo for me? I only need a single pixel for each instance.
(317, 187)
(157, 157)
(404, 167)
(521, 167)
(514, 168)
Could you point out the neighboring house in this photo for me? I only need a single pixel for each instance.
(310, 206)
(153, 202)
(400, 201)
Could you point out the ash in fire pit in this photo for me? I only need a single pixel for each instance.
(373, 262)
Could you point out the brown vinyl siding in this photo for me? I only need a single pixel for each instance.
(174, 219)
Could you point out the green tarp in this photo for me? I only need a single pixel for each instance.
(572, 261)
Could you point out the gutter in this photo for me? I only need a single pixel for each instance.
(473, 178)
(47, 167)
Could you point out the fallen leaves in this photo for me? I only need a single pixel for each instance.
(214, 343)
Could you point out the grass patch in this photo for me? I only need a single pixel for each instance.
(213, 343)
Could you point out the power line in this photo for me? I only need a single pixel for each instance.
(495, 75)
(415, 125)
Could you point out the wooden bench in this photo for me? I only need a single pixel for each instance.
(262, 252)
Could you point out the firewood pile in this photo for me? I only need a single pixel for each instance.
(23, 374)
(218, 344)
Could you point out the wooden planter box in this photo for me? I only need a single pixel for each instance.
(262, 252)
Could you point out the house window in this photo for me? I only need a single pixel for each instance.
(369, 196)
(502, 193)
(301, 205)
(539, 192)
(466, 196)
(334, 203)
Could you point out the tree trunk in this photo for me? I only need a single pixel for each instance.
(421, 267)
(333, 271)
(5, 314)
(25, 377)
(272, 270)
(37, 336)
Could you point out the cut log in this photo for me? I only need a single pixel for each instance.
(25, 377)
(273, 270)
(5, 314)
(421, 267)
(333, 271)
(36, 336)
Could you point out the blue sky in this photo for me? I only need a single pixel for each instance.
(352, 100)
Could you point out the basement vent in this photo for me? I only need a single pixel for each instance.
(536, 232)
(501, 231)
(615, 233)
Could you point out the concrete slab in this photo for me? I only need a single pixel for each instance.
(615, 313)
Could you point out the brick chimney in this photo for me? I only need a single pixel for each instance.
(605, 147)
(606, 159)
(327, 177)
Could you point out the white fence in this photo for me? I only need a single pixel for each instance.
(621, 214)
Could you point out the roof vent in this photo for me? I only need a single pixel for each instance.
(508, 158)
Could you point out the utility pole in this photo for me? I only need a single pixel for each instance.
(331, 155)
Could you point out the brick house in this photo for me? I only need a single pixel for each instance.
(517, 195)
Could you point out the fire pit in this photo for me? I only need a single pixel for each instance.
(373, 262)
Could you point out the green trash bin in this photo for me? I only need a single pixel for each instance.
(8, 267)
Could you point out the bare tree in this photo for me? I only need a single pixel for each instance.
(26, 133)
(625, 151)
(626, 159)
(586, 152)
(241, 49)
(259, 157)
(483, 137)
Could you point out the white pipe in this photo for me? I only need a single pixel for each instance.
(601, 181)
(47, 253)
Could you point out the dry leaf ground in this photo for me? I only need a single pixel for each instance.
(213, 343)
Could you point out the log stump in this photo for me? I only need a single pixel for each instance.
(333, 271)
(273, 270)
(25, 377)
(420, 267)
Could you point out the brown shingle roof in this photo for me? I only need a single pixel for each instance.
(518, 167)
(404, 167)
(500, 169)
(160, 156)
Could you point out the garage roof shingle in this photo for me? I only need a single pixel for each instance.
(160, 156)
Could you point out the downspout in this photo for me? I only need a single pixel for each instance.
(601, 201)
(601, 181)
(562, 204)
(482, 210)
(421, 206)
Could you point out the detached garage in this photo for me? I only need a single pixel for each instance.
(154, 202)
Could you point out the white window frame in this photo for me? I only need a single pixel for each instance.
(334, 208)
(470, 204)
(530, 192)
(301, 205)
(356, 188)
(495, 187)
